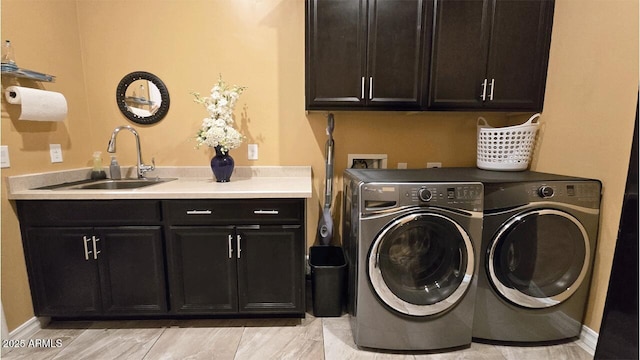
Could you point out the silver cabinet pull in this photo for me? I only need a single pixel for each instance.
(199, 212)
(95, 247)
(370, 87)
(238, 238)
(86, 248)
(230, 246)
(362, 88)
(266, 212)
(484, 90)
(492, 88)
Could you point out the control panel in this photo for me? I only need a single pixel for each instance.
(565, 190)
(466, 196)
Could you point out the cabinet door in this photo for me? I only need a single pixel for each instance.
(518, 54)
(395, 43)
(63, 275)
(131, 261)
(202, 264)
(335, 53)
(459, 54)
(271, 270)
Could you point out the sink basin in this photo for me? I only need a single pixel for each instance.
(108, 184)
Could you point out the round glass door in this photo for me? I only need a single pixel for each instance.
(539, 258)
(421, 264)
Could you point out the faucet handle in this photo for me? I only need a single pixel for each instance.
(146, 168)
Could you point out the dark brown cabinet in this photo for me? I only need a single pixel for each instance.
(366, 54)
(107, 258)
(254, 266)
(490, 54)
(93, 271)
(203, 270)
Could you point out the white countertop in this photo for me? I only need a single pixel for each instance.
(247, 182)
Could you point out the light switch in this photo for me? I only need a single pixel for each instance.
(4, 157)
(55, 150)
(252, 150)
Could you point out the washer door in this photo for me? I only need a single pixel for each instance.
(421, 264)
(539, 258)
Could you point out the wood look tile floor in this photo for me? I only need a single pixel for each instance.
(309, 338)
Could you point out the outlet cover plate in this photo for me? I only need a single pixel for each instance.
(55, 150)
(4, 157)
(252, 151)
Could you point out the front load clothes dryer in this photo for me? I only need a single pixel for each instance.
(412, 249)
(538, 243)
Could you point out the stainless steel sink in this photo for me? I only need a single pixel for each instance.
(107, 184)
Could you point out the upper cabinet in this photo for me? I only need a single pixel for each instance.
(366, 54)
(490, 54)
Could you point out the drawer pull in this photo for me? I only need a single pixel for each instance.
(199, 212)
(238, 250)
(230, 246)
(266, 212)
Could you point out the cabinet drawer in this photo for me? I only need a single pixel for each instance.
(254, 211)
(89, 212)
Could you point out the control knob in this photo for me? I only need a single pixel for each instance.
(424, 194)
(545, 191)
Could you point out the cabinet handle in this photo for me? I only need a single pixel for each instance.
(266, 212)
(362, 88)
(238, 238)
(492, 87)
(95, 247)
(199, 212)
(370, 87)
(86, 248)
(230, 247)
(484, 90)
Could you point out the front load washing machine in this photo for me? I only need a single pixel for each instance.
(412, 249)
(538, 244)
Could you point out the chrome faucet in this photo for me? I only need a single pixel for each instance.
(142, 168)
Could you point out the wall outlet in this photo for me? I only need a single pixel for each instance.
(402, 165)
(4, 157)
(252, 151)
(55, 150)
(434, 165)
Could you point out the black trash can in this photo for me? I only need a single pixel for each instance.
(328, 277)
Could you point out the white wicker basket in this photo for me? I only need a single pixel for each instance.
(507, 148)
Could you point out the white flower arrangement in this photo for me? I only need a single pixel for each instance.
(217, 129)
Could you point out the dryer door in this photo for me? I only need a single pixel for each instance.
(539, 258)
(421, 264)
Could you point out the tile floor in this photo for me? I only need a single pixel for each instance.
(309, 338)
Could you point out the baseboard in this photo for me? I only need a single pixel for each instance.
(29, 328)
(588, 340)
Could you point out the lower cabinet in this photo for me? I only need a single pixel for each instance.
(255, 266)
(250, 269)
(138, 258)
(96, 271)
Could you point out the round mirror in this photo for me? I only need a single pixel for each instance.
(142, 97)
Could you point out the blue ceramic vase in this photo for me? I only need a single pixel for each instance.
(222, 165)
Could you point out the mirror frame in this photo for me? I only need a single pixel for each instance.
(121, 94)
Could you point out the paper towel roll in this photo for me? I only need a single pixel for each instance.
(38, 105)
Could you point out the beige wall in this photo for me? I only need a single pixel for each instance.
(260, 44)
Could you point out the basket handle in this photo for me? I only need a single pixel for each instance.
(482, 122)
(535, 119)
